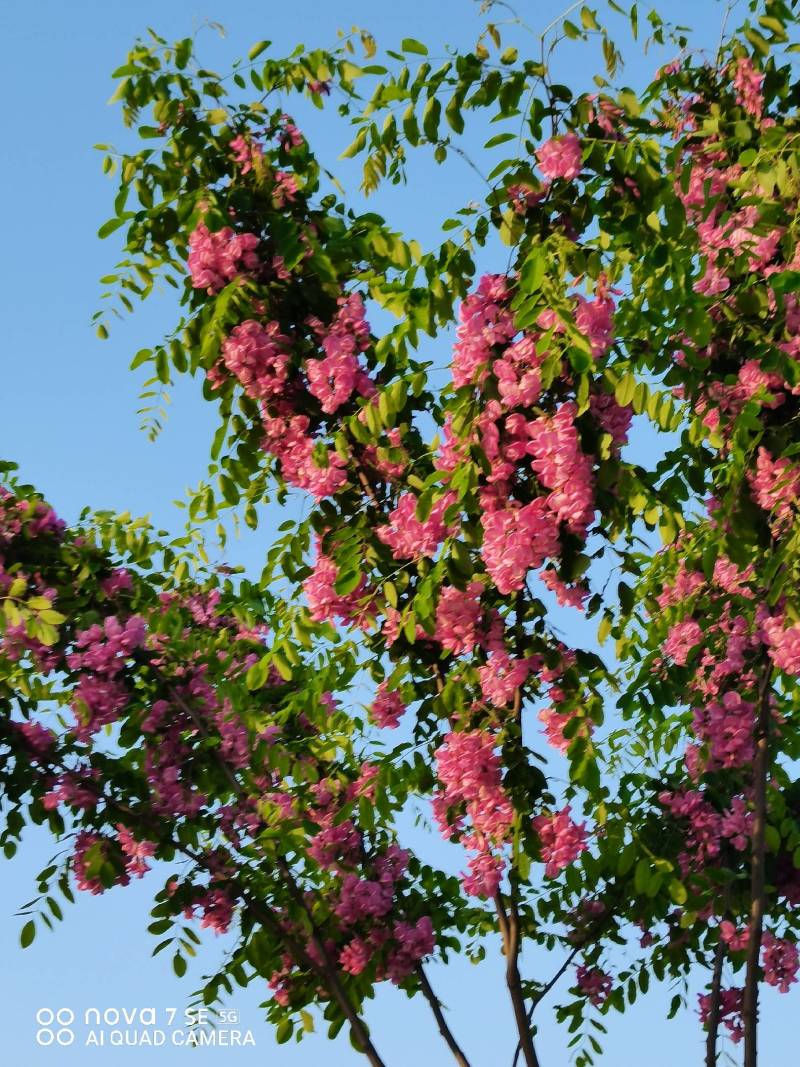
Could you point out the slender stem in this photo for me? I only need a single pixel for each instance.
(712, 1024)
(757, 873)
(509, 929)
(441, 1022)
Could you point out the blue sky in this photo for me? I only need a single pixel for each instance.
(69, 420)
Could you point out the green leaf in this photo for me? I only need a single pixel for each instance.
(532, 273)
(677, 891)
(453, 115)
(411, 45)
(257, 49)
(179, 965)
(28, 933)
(111, 225)
(430, 119)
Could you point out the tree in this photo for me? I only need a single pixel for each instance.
(157, 707)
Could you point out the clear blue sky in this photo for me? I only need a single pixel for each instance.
(69, 420)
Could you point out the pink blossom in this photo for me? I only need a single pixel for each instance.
(91, 851)
(410, 537)
(561, 840)
(562, 467)
(515, 539)
(780, 960)
(289, 441)
(485, 321)
(324, 603)
(775, 486)
(217, 258)
(118, 581)
(469, 768)
(355, 956)
(748, 82)
(38, 737)
(727, 727)
(572, 597)
(595, 319)
(594, 984)
(501, 676)
(285, 188)
(736, 940)
(361, 898)
(458, 618)
(560, 157)
(518, 373)
(613, 418)
(290, 135)
(217, 910)
(414, 942)
(783, 643)
(136, 852)
(336, 844)
(259, 357)
(681, 639)
(484, 874)
(555, 723)
(387, 708)
(730, 1011)
(247, 153)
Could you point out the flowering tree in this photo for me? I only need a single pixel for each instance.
(157, 707)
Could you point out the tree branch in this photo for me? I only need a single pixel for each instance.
(757, 872)
(712, 1024)
(436, 1008)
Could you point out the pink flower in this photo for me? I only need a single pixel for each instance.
(562, 467)
(355, 956)
(458, 618)
(595, 319)
(612, 417)
(748, 81)
(501, 676)
(289, 441)
(783, 643)
(736, 940)
(730, 1011)
(561, 840)
(776, 487)
(259, 357)
(485, 873)
(410, 537)
(387, 707)
(594, 984)
(780, 960)
(727, 727)
(91, 852)
(572, 597)
(324, 603)
(469, 768)
(555, 722)
(681, 639)
(246, 153)
(414, 943)
(516, 539)
(560, 157)
(485, 321)
(361, 898)
(217, 258)
(137, 852)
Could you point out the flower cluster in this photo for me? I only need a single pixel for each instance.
(561, 840)
(216, 258)
(468, 767)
